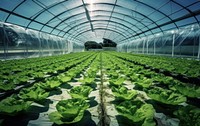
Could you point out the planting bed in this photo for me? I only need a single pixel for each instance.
(99, 88)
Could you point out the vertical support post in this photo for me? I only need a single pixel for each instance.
(173, 41)
(199, 49)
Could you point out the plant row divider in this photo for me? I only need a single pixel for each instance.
(103, 114)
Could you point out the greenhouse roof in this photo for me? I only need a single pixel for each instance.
(117, 20)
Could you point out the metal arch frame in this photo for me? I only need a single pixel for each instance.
(99, 29)
(173, 21)
(156, 10)
(14, 10)
(82, 23)
(82, 29)
(105, 16)
(134, 12)
(103, 11)
(194, 13)
(45, 9)
(190, 12)
(112, 26)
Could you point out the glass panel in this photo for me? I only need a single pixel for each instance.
(170, 8)
(3, 15)
(17, 20)
(35, 25)
(49, 2)
(186, 21)
(170, 26)
(162, 21)
(179, 14)
(194, 7)
(9, 4)
(44, 17)
(185, 2)
(156, 16)
(158, 4)
(47, 29)
(28, 9)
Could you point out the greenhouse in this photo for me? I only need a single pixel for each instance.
(100, 62)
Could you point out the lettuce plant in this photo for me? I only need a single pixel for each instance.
(145, 83)
(116, 82)
(165, 96)
(13, 106)
(80, 92)
(5, 85)
(50, 84)
(122, 93)
(188, 115)
(34, 93)
(189, 90)
(69, 111)
(87, 80)
(137, 111)
(64, 78)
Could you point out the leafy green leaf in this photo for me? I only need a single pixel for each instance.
(116, 82)
(165, 96)
(69, 111)
(80, 92)
(64, 78)
(87, 80)
(123, 93)
(189, 90)
(13, 106)
(137, 111)
(34, 93)
(188, 115)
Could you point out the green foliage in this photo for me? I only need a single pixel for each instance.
(145, 83)
(5, 85)
(64, 78)
(13, 106)
(122, 93)
(189, 90)
(87, 80)
(117, 82)
(80, 92)
(188, 115)
(34, 93)
(165, 96)
(50, 84)
(137, 111)
(69, 111)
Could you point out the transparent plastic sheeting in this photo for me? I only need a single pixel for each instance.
(182, 42)
(18, 42)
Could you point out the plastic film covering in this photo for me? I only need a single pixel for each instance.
(18, 42)
(182, 42)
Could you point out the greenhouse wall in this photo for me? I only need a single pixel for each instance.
(18, 42)
(181, 43)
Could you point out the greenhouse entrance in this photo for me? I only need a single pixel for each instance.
(100, 63)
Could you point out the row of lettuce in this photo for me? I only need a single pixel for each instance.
(15, 73)
(184, 67)
(159, 88)
(69, 110)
